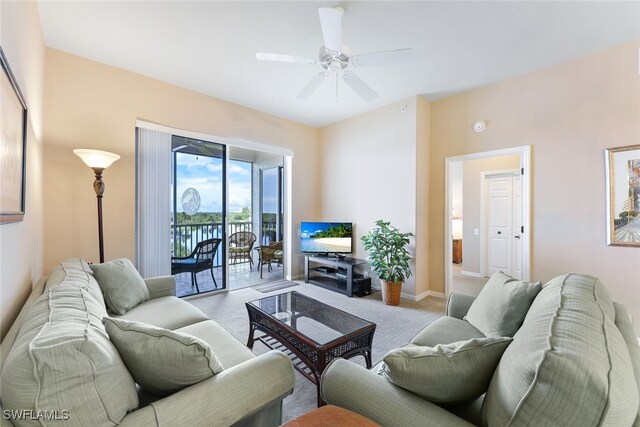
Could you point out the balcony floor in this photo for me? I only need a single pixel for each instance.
(240, 276)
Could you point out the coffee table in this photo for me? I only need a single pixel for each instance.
(310, 332)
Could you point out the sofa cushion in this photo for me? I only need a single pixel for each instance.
(160, 360)
(229, 351)
(567, 365)
(121, 284)
(445, 331)
(446, 373)
(63, 359)
(624, 325)
(165, 312)
(502, 305)
(74, 272)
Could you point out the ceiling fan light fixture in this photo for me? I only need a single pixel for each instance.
(335, 66)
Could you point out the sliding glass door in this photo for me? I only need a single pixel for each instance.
(209, 214)
(198, 241)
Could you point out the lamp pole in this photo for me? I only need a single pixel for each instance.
(98, 161)
(98, 187)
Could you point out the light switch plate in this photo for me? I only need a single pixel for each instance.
(476, 231)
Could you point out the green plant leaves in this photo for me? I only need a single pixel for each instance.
(387, 252)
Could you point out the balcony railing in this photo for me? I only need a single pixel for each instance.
(185, 237)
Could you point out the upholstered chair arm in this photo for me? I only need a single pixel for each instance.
(233, 394)
(162, 286)
(458, 305)
(360, 390)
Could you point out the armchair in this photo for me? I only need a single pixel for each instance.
(272, 252)
(199, 260)
(241, 245)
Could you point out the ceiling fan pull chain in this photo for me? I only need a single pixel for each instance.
(336, 88)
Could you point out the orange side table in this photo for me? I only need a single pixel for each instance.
(331, 416)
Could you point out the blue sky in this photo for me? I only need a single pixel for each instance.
(205, 175)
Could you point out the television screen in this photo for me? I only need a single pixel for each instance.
(326, 237)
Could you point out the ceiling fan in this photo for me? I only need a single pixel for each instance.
(336, 60)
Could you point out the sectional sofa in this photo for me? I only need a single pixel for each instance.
(574, 361)
(58, 363)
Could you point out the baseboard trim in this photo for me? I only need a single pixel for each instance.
(470, 274)
(408, 296)
(435, 294)
(296, 277)
(423, 295)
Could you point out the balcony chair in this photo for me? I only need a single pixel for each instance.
(199, 260)
(241, 245)
(272, 252)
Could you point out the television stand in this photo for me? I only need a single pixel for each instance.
(335, 274)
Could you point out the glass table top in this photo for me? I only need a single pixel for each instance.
(315, 320)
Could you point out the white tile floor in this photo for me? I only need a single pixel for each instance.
(240, 276)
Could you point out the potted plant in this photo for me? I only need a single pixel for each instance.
(389, 258)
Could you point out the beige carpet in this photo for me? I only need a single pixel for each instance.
(395, 326)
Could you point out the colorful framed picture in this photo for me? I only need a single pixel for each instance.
(622, 165)
(13, 146)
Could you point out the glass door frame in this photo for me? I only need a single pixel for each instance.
(279, 202)
(223, 259)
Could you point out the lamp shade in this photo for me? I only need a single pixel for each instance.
(96, 158)
(456, 228)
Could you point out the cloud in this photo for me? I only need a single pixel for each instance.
(239, 168)
(205, 175)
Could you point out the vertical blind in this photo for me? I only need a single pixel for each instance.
(153, 202)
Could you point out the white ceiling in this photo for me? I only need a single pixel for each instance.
(210, 46)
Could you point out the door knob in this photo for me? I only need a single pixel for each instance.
(499, 232)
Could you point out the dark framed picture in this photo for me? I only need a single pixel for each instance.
(623, 195)
(13, 146)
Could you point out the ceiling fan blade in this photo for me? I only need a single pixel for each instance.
(331, 23)
(263, 56)
(314, 84)
(360, 87)
(389, 57)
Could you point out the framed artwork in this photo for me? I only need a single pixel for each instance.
(622, 165)
(13, 146)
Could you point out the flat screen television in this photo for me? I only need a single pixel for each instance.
(326, 237)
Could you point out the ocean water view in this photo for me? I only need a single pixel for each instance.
(334, 244)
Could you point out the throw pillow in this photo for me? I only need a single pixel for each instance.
(161, 361)
(447, 373)
(121, 284)
(502, 305)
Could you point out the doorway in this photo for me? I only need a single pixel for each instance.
(259, 193)
(466, 217)
(192, 188)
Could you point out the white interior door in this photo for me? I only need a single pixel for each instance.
(500, 218)
(516, 230)
(504, 219)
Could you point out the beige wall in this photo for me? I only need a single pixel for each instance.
(423, 124)
(368, 170)
(569, 114)
(471, 190)
(91, 105)
(21, 243)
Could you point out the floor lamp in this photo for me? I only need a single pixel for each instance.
(98, 161)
